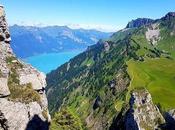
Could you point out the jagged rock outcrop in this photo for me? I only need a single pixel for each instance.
(28, 74)
(153, 34)
(143, 114)
(139, 22)
(169, 16)
(22, 93)
(106, 46)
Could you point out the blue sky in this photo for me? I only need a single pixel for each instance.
(102, 14)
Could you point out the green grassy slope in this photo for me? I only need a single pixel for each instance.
(86, 80)
(83, 85)
(158, 76)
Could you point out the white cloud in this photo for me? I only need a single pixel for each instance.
(100, 27)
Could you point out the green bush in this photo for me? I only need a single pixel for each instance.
(11, 64)
(13, 78)
(65, 120)
(10, 59)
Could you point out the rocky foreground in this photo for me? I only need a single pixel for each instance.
(23, 103)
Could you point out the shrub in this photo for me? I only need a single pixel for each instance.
(20, 93)
(65, 120)
(24, 94)
(10, 59)
(13, 78)
(11, 64)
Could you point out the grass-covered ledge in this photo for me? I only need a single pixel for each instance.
(24, 94)
(20, 93)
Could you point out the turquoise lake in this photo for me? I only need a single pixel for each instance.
(50, 61)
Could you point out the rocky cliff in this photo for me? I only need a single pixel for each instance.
(142, 114)
(23, 103)
(139, 22)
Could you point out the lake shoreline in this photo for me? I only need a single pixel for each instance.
(50, 61)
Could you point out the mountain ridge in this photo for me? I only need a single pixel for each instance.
(118, 83)
(29, 40)
(139, 22)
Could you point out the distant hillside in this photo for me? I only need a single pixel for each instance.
(126, 82)
(28, 40)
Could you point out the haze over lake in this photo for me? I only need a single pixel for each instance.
(50, 61)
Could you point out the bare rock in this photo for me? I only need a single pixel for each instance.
(35, 109)
(143, 114)
(30, 75)
(139, 22)
(19, 115)
(106, 46)
(153, 34)
(172, 113)
(4, 90)
(16, 114)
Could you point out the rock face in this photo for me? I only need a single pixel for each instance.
(143, 114)
(153, 34)
(4, 90)
(28, 74)
(169, 16)
(106, 46)
(139, 22)
(23, 103)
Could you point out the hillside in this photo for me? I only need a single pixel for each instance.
(124, 82)
(30, 40)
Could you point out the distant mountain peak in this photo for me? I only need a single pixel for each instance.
(168, 16)
(139, 22)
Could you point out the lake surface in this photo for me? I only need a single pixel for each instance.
(50, 61)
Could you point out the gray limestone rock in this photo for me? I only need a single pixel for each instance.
(4, 90)
(143, 114)
(19, 115)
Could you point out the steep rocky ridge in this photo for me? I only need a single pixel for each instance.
(142, 113)
(139, 22)
(23, 102)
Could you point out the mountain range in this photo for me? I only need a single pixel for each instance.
(125, 82)
(30, 40)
